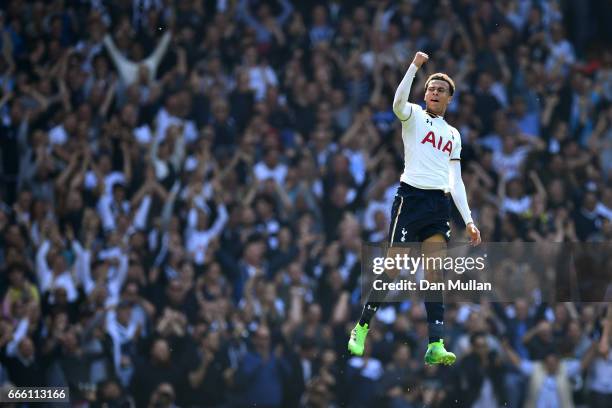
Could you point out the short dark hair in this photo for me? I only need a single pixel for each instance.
(441, 77)
(476, 335)
(118, 185)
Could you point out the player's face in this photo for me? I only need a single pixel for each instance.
(437, 96)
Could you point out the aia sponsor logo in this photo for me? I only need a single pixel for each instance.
(436, 142)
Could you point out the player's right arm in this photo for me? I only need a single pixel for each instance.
(401, 107)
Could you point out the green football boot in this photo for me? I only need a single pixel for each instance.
(356, 343)
(437, 354)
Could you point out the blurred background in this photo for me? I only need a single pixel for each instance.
(186, 185)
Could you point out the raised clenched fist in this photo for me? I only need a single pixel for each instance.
(420, 58)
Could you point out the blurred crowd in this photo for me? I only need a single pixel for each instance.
(186, 185)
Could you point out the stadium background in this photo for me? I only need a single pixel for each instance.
(186, 184)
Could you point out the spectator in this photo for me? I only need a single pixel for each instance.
(163, 396)
(143, 71)
(600, 387)
(56, 276)
(484, 385)
(110, 392)
(150, 375)
(518, 320)
(24, 363)
(363, 373)
(267, 27)
(549, 378)
(260, 375)
(211, 376)
(199, 234)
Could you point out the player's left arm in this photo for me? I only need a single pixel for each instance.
(457, 189)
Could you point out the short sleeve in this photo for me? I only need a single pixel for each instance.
(456, 153)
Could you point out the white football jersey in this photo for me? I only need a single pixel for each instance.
(429, 145)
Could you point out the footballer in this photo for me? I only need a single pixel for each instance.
(421, 209)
